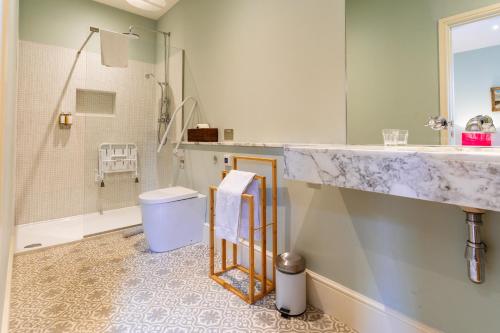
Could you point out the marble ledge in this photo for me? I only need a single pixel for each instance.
(234, 144)
(463, 176)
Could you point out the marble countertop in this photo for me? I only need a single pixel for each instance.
(464, 176)
(235, 144)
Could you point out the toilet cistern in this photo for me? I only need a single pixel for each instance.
(172, 217)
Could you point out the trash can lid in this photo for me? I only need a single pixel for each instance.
(290, 263)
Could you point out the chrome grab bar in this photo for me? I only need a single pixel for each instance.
(164, 138)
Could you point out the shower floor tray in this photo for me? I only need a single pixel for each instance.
(32, 236)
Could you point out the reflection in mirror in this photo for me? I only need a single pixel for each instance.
(495, 99)
(475, 87)
(397, 76)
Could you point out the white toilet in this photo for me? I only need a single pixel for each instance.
(172, 217)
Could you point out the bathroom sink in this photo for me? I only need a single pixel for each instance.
(464, 176)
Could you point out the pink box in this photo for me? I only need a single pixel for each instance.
(476, 139)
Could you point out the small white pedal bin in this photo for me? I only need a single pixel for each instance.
(290, 284)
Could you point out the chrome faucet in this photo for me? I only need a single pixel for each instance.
(480, 124)
(438, 123)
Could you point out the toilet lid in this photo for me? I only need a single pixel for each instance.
(168, 194)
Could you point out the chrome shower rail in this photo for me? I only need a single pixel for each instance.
(93, 30)
(132, 27)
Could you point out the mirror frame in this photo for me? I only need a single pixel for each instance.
(445, 56)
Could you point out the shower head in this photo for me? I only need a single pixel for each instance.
(131, 33)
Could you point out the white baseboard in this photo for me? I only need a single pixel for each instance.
(358, 311)
(73, 228)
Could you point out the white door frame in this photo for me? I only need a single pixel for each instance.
(446, 59)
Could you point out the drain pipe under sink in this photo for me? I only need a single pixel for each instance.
(475, 250)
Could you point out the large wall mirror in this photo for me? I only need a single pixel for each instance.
(469, 53)
(430, 67)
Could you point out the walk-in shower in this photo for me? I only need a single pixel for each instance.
(118, 115)
(163, 114)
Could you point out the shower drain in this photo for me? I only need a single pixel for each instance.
(30, 246)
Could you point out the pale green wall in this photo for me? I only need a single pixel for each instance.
(7, 152)
(392, 65)
(405, 253)
(66, 23)
(272, 70)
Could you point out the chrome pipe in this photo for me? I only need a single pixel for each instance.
(92, 32)
(475, 249)
(474, 224)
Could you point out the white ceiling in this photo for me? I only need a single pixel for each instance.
(476, 35)
(152, 14)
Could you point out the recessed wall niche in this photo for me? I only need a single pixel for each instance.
(95, 102)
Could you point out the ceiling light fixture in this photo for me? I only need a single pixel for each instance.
(495, 27)
(151, 5)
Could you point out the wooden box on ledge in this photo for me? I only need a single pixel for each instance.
(203, 135)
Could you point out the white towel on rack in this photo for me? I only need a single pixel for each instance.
(252, 189)
(114, 49)
(228, 204)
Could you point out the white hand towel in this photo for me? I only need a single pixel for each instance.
(228, 204)
(252, 189)
(114, 49)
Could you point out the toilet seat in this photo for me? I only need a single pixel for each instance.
(168, 194)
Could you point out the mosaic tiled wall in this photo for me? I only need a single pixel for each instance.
(56, 167)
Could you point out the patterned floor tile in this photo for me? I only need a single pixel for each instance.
(115, 284)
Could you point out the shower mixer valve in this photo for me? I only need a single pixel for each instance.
(164, 119)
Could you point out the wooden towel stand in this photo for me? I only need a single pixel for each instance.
(266, 285)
